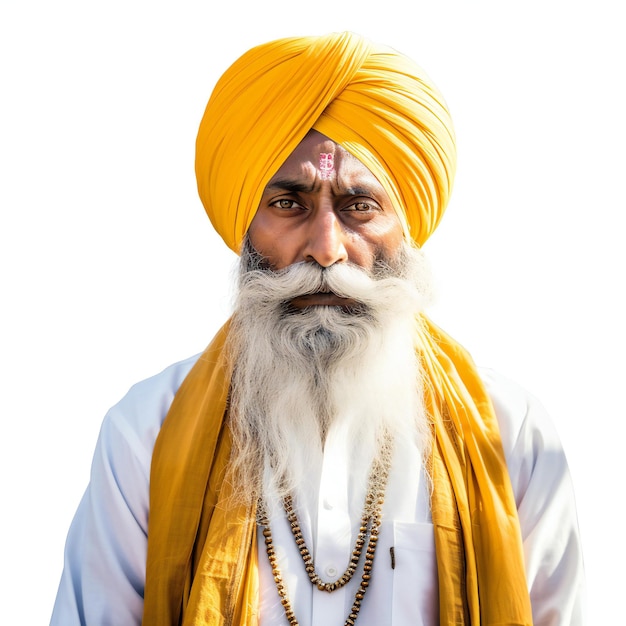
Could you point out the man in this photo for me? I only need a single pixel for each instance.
(332, 457)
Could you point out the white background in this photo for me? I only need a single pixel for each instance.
(110, 270)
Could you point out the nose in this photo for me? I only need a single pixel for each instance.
(326, 239)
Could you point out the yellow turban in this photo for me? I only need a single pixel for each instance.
(376, 103)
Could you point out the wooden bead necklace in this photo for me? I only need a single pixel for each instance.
(370, 523)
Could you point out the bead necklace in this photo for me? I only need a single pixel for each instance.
(370, 520)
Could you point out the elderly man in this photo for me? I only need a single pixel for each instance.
(332, 456)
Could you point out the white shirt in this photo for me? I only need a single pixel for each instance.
(105, 559)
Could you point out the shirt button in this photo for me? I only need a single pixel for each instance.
(331, 571)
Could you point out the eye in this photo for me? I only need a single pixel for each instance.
(285, 203)
(362, 206)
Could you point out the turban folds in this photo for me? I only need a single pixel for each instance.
(374, 102)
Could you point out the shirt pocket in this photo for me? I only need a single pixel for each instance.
(415, 589)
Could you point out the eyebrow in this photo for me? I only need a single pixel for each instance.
(358, 191)
(287, 184)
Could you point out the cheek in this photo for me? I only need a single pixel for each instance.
(383, 239)
(393, 239)
(258, 238)
(271, 243)
(260, 231)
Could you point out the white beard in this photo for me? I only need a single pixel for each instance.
(298, 373)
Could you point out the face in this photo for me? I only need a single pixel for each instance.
(324, 206)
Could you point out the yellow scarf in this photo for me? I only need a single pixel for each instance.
(202, 556)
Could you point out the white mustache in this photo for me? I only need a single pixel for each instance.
(278, 288)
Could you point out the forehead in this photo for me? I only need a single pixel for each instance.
(311, 155)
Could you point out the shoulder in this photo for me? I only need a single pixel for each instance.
(138, 416)
(545, 500)
(531, 444)
(518, 411)
(104, 571)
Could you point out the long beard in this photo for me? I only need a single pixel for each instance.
(298, 373)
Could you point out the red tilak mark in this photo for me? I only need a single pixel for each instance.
(327, 164)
